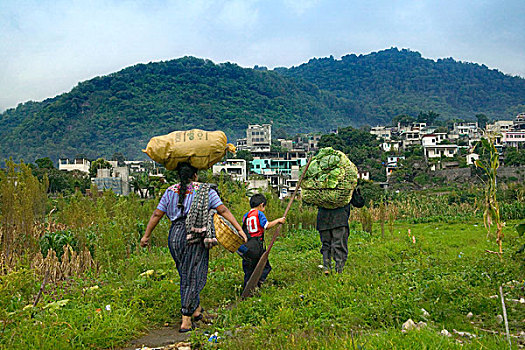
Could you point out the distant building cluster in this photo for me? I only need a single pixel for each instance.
(276, 163)
(117, 177)
(447, 144)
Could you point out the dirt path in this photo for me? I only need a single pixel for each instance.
(168, 336)
(165, 337)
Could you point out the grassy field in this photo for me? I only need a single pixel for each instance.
(386, 281)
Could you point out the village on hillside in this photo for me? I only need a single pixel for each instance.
(265, 162)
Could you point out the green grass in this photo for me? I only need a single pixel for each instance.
(447, 272)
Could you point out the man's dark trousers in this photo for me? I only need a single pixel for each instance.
(334, 245)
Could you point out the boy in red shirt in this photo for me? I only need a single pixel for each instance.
(254, 223)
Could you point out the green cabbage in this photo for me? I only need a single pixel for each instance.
(330, 179)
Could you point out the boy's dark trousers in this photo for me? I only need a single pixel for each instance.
(248, 266)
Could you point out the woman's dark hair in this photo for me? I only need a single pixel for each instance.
(186, 173)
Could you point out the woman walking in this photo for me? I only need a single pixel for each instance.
(187, 204)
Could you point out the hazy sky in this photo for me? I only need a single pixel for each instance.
(47, 47)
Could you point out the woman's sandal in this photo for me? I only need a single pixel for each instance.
(185, 330)
(200, 317)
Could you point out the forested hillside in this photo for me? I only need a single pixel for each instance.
(391, 82)
(121, 111)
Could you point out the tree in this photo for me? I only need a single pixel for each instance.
(119, 157)
(247, 156)
(514, 156)
(403, 119)
(482, 120)
(280, 133)
(45, 163)
(362, 148)
(427, 117)
(100, 163)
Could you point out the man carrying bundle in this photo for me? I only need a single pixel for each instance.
(330, 183)
(332, 225)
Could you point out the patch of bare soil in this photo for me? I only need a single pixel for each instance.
(162, 338)
(168, 337)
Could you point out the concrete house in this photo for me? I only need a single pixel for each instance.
(236, 168)
(77, 164)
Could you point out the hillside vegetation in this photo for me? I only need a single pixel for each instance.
(423, 250)
(121, 111)
(392, 82)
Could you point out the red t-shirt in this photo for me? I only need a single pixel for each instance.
(256, 222)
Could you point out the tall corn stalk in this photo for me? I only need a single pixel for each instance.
(366, 218)
(22, 204)
(491, 214)
(382, 216)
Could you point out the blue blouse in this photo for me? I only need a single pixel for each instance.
(170, 200)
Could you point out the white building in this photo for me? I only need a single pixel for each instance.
(513, 138)
(519, 122)
(437, 151)
(393, 160)
(259, 137)
(471, 158)
(411, 138)
(433, 139)
(363, 175)
(419, 126)
(390, 146)
(78, 164)
(429, 140)
(115, 179)
(466, 129)
(286, 144)
(392, 163)
(261, 184)
(236, 168)
(381, 132)
(242, 145)
(500, 126)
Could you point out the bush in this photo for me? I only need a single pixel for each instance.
(57, 241)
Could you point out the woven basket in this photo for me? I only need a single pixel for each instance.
(226, 234)
(329, 198)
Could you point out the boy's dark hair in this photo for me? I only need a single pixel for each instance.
(257, 199)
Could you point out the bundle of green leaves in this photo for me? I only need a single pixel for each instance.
(330, 179)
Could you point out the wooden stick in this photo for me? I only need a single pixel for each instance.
(495, 332)
(505, 316)
(42, 286)
(254, 279)
(493, 252)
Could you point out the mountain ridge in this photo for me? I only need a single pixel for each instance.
(120, 111)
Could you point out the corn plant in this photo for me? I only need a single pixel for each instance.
(366, 219)
(392, 214)
(490, 165)
(382, 216)
(22, 204)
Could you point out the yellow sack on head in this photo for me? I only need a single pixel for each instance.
(198, 147)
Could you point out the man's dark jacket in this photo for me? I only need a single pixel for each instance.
(328, 219)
